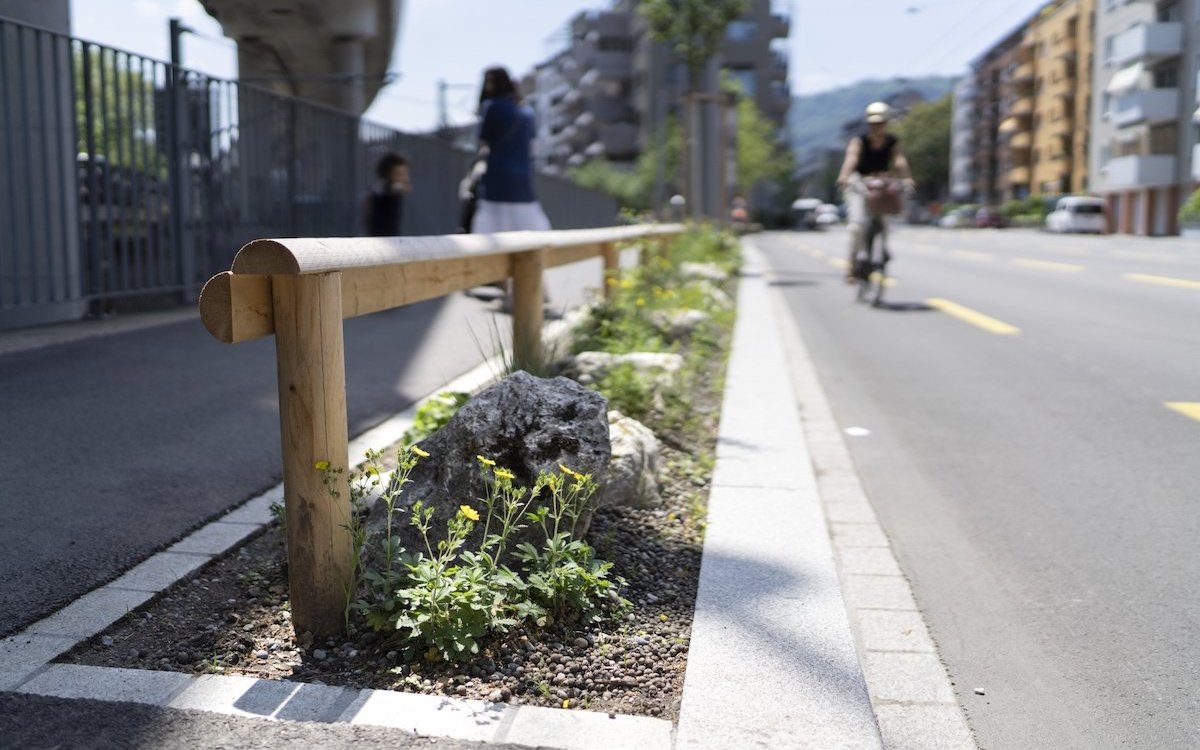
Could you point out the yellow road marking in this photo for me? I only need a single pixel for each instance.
(1146, 278)
(1186, 408)
(972, 254)
(1047, 265)
(975, 318)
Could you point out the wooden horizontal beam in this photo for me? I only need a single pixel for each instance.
(323, 255)
(237, 307)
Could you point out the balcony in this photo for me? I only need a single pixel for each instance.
(1145, 106)
(1196, 162)
(1140, 171)
(1018, 176)
(779, 27)
(1021, 107)
(1023, 72)
(1021, 140)
(1148, 42)
(778, 67)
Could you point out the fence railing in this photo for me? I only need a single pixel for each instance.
(123, 178)
(300, 290)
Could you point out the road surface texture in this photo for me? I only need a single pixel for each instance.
(1029, 436)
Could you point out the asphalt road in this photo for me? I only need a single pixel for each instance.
(112, 447)
(1038, 490)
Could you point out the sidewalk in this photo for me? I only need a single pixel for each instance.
(776, 647)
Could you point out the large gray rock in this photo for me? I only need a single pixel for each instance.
(525, 424)
(633, 472)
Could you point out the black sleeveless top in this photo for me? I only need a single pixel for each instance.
(875, 160)
(385, 214)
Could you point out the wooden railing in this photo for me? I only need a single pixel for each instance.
(301, 290)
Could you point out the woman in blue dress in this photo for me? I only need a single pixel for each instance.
(506, 131)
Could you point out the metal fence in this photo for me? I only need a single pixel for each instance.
(125, 180)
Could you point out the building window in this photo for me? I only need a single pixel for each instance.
(745, 80)
(1108, 51)
(741, 30)
(1166, 78)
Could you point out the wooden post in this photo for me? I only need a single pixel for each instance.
(527, 309)
(312, 417)
(612, 268)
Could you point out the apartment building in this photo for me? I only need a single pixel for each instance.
(962, 141)
(1145, 157)
(1025, 114)
(1062, 63)
(999, 114)
(611, 90)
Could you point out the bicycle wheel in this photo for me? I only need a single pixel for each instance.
(865, 266)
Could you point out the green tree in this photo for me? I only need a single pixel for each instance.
(692, 28)
(758, 154)
(122, 106)
(925, 139)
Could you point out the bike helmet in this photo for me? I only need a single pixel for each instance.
(878, 112)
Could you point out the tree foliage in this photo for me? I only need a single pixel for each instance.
(925, 139)
(122, 111)
(691, 28)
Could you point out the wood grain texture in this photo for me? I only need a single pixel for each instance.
(322, 255)
(313, 427)
(527, 310)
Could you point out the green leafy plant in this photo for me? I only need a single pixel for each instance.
(1189, 212)
(444, 599)
(433, 414)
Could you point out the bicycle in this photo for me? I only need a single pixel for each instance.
(883, 196)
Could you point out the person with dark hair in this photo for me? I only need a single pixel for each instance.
(385, 206)
(507, 201)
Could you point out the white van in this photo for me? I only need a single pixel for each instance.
(1077, 213)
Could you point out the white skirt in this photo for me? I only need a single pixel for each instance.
(493, 216)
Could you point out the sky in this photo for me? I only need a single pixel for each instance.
(832, 42)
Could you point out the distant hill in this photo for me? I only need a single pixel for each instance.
(815, 120)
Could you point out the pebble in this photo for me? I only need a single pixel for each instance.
(581, 642)
(106, 641)
(320, 654)
(979, 691)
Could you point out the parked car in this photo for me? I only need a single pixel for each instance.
(957, 218)
(1078, 213)
(827, 214)
(990, 218)
(804, 213)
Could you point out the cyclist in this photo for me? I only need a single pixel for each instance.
(873, 153)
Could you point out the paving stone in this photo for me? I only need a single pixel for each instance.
(890, 630)
(909, 678)
(868, 561)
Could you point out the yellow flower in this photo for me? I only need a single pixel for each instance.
(419, 452)
(371, 471)
(321, 465)
(468, 512)
(567, 703)
(570, 472)
(612, 281)
(640, 301)
(486, 461)
(627, 283)
(504, 474)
